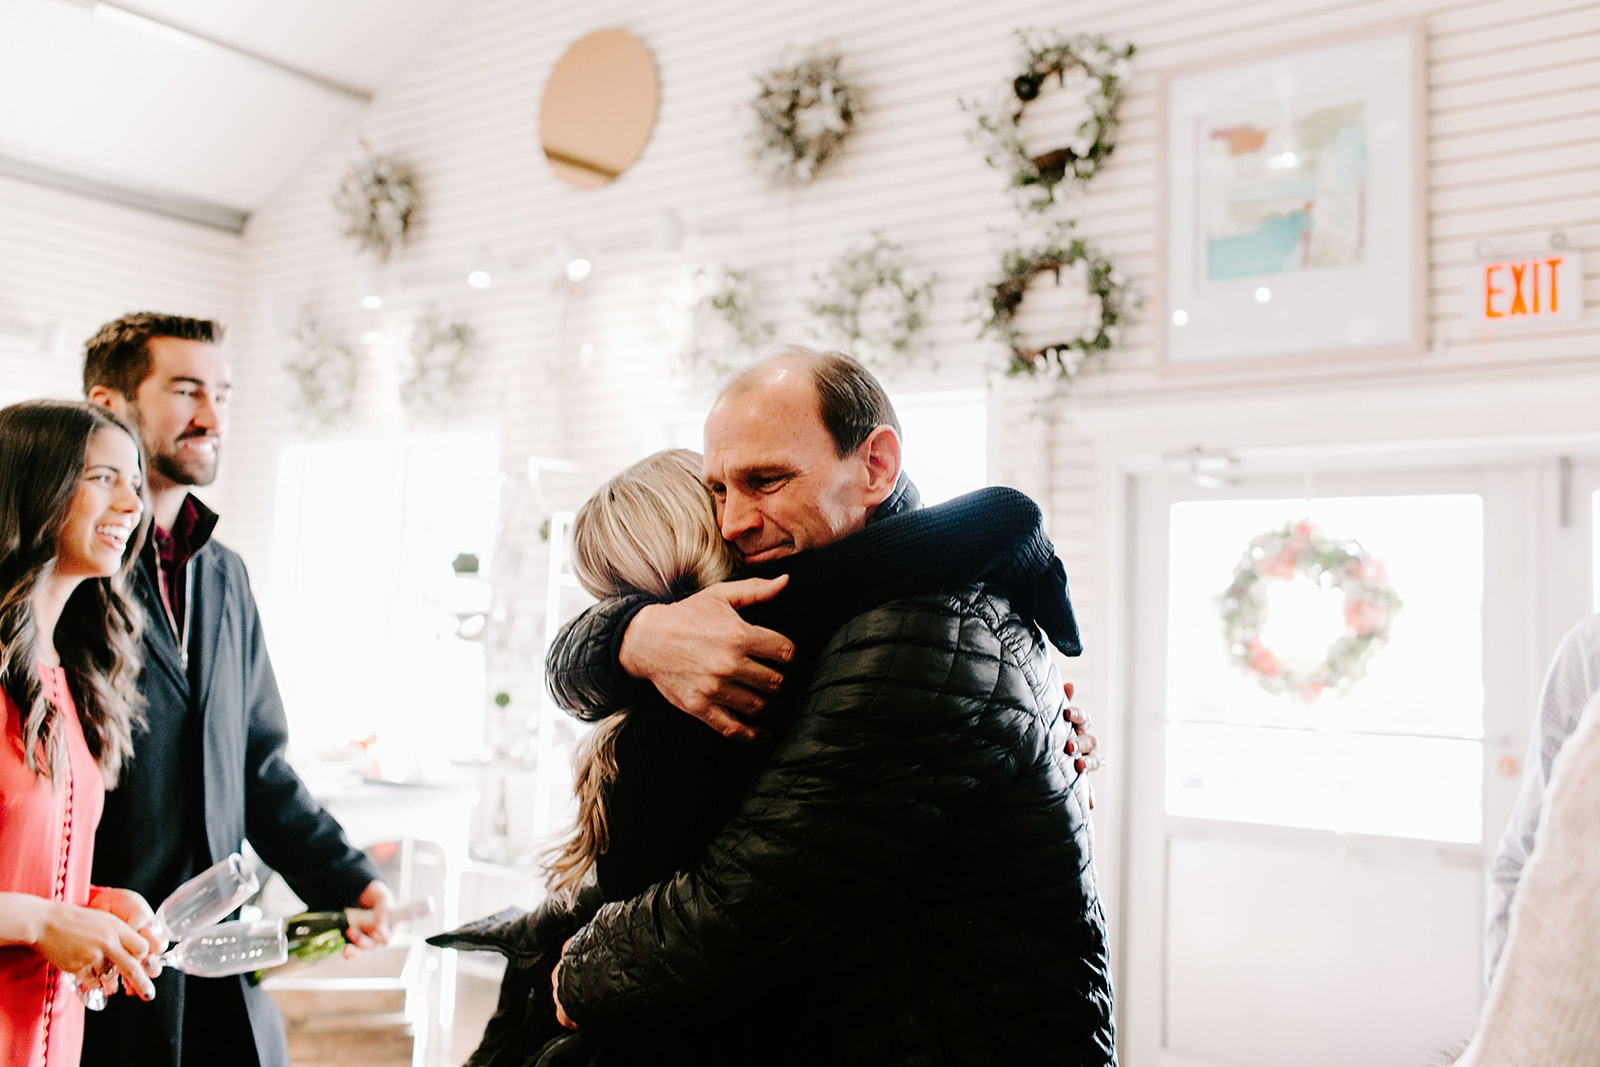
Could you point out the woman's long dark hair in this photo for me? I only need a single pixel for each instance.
(43, 444)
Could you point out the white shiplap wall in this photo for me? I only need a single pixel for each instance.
(1514, 91)
(68, 265)
(1514, 88)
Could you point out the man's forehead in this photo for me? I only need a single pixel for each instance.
(177, 359)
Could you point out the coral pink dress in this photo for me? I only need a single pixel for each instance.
(46, 845)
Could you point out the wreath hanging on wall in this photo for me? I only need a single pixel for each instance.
(324, 371)
(803, 114)
(999, 127)
(1109, 298)
(438, 362)
(722, 329)
(872, 305)
(377, 201)
(1301, 550)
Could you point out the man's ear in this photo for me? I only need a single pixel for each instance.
(881, 453)
(108, 398)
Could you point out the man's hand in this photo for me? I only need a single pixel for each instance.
(705, 659)
(555, 990)
(1082, 744)
(373, 929)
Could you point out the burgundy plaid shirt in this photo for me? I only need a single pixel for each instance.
(175, 548)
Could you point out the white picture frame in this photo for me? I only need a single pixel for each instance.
(1293, 221)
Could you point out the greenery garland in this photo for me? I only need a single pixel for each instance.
(999, 127)
(378, 200)
(803, 114)
(723, 329)
(1019, 268)
(1301, 549)
(440, 356)
(324, 371)
(872, 306)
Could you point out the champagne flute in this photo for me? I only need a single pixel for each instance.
(206, 898)
(197, 903)
(236, 947)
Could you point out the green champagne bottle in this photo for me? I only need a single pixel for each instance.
(316, 935)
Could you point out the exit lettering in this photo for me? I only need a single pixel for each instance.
(1526, 290)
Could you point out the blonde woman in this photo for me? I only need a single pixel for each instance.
(652, 529)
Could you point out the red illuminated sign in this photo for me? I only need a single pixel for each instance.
(1538, 288)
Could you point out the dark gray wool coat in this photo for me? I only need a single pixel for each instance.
(208, 772)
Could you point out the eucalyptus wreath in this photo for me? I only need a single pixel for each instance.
(999, 126)
(871, 305)
(1108, 293)
(723, 329)
(377, 201)
(438, 361)
(803, 115)
(324, 371)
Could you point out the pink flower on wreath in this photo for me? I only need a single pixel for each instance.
(1363, 617)
(1373, 572)
(1263, 660)
(1280, 566)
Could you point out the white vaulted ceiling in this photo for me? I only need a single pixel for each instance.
(195, 108)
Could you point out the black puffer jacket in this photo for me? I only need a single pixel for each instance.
(918, 837)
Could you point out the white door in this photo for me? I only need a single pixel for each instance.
(1306, 874)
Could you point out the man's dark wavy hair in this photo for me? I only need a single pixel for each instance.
(118, 356)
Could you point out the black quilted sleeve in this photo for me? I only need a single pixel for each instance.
(917, 710)
(582, 669)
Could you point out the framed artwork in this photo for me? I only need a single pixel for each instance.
(1293, 218)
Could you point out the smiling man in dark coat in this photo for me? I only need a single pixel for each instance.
(209, 772)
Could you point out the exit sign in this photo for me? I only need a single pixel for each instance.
(1547, 288)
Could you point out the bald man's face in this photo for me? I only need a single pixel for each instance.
(779, 485)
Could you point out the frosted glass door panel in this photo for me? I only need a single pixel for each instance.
(1400, 754)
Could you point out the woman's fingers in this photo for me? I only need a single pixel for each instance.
(128, 960)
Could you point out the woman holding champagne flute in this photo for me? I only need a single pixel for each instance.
(72, 518)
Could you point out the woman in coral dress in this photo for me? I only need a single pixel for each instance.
(71, 522)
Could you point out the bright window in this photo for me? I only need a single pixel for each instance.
(946, 442)
(1401, 754)
(377, 610)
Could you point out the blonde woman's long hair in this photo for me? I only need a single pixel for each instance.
(651, 529)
